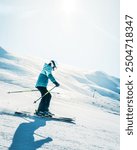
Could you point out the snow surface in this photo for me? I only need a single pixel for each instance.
(92, 98)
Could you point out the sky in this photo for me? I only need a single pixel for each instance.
(81, 33)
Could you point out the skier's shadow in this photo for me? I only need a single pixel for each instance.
(24, 136)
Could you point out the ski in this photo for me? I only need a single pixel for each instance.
(54, 118)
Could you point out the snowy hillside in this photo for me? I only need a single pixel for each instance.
(92, 98)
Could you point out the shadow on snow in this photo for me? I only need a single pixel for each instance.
(24, 136)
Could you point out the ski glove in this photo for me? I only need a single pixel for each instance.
(56, 83)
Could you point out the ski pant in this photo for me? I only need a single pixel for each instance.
(45, 101)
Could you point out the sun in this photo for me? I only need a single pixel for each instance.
(69, 6)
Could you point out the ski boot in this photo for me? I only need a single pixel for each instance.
(44, 114)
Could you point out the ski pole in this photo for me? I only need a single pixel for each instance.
(44, 95)
(22, 91)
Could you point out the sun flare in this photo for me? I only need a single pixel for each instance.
(69, 6)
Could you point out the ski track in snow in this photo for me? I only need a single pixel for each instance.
(97, 118)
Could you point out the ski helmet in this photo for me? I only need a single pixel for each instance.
(53, 64)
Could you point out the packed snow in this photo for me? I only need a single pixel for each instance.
(91, 97)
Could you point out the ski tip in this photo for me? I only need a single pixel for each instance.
(17, 112)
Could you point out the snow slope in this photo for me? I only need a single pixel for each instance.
(92, 98)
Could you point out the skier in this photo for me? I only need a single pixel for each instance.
(41, 85)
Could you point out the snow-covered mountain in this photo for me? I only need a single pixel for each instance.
(102, 83)
(91, 97)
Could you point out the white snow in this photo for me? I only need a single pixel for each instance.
(92, 98)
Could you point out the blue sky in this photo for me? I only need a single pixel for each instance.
(82, 33)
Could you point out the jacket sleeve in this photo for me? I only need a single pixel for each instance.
(50, 76)
(48, 71)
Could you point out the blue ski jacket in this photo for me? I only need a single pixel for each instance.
(45, 74)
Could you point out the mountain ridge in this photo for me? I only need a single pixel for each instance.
(101, 82)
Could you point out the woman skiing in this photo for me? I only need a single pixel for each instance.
(41, 85)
